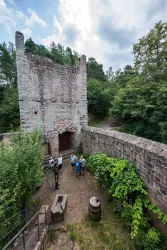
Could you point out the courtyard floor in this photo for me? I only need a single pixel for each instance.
(76, 225)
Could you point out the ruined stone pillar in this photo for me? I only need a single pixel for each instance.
(19, 39)
(28, 87)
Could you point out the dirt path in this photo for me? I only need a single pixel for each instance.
(78, 189)
(109, 123)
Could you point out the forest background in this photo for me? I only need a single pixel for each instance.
(136, 94)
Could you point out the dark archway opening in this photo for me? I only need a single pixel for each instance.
(64, 141)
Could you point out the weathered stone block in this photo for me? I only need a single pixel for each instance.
(59, 207)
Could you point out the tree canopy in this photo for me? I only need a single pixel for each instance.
(142, 102)
(136, 94)
(56, 52)
(9, 104)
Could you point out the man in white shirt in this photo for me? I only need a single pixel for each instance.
(60, 161)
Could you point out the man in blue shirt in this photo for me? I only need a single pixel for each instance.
(78, 167)
(73, 160)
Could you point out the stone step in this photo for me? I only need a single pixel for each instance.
(66, 154)
(46, 160)
(18, 245)
(32, 235)
(41, 215)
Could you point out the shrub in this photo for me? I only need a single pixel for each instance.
(150, 240)
(52, 234)
(21, 170)
(129, 195)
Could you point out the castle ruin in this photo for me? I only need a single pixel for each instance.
(52, 97)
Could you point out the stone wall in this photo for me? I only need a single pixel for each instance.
(149, 157)
(51, 96)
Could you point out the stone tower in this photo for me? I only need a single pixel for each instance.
(51, 97)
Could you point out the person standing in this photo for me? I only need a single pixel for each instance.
(83, 163)
(60, 161)
(73, 161)
(51, 162)
(56, 176)
(78, 167)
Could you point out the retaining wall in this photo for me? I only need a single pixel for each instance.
(149, 157)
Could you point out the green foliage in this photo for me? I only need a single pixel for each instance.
(20, 172)
(73, 234)
(128, 194)
(30, 46)
(8, 74)
(98, 98)
(118, 80)
(150, 53)
(152, 207)
(52, 234)
(95, 70)
(9, 105)
(99, 94)
(9, 109)
(142, 101)
(56, 52)
(150, 240)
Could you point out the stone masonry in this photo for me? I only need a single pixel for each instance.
(149, 157)
(54, 98)
(51, 96)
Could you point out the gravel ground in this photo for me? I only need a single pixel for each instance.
(78, 189)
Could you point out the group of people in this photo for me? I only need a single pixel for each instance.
(78, 166)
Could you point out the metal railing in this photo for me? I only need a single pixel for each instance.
(12, 224)
(22, 231)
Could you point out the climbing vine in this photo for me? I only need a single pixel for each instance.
(129, 196)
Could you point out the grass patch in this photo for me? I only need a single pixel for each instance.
(73, 235)
(72, 231)
(107, 234)
(52, 235)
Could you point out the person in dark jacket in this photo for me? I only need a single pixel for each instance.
(56, 176)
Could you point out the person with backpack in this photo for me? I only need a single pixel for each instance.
(78, 167)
